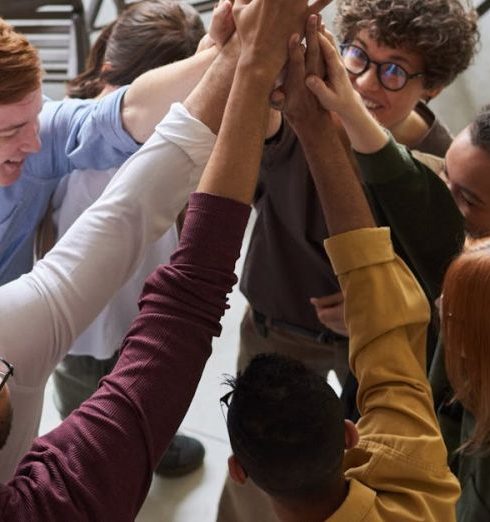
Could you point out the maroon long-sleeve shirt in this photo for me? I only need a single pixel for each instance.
(97, 465)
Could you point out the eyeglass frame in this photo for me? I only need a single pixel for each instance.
(7, 374)
(369, 61)
(225, 401)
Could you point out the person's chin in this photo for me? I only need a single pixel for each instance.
(10, 173)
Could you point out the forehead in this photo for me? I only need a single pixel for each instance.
(23, 111)
(382, 53)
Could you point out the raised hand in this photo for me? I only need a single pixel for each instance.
(335, 91)
(221, 27)
(300, 104)
(265, 27)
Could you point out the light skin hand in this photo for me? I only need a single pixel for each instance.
(336, 93)
(314, 63)
(221, 27)
(265, 27)
(330, 312)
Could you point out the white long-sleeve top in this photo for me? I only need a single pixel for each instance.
(43, 312)
(103, 337)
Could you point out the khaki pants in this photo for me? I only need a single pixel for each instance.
(248, 503)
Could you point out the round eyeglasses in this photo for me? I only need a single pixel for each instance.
(6, 370)
(391, 76)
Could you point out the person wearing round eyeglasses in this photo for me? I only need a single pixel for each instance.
(399, 55)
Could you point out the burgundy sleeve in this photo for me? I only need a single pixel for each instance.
(98, 464)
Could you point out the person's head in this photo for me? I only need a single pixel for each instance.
(20, 102)
(467, 170)
(287, 430)
(147, 34)
(433, 40)
(466, 334)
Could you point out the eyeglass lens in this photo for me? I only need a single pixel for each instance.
(391, 76)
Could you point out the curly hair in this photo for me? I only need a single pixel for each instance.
(443, 32)
(20, 67)
(480, 129)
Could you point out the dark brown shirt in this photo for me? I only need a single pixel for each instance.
(286, 263)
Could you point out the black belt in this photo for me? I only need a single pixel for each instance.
(262, 323)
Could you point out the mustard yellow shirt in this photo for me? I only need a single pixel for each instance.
(398, 472)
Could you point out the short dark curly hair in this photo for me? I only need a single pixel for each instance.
(286, 427)
(480, 129)
(443, 32)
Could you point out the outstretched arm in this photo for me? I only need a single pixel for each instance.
(44, 311)
(414, 200)
(130, 420)
(149, 97)
(386, 314)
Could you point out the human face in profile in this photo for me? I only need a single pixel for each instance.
(19, 135)
(467, 172)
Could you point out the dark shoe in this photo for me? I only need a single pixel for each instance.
(184, 455)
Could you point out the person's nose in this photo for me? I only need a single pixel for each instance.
(368, 80)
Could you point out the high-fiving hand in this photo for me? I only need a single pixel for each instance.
(265, 27)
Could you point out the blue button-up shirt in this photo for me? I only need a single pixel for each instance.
(75, 134)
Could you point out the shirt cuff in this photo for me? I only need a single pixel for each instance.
(109, 121)
(188, 133)
(359, 248)
(386, 164)
(213, 231)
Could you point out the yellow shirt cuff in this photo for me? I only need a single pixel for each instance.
(359, 248)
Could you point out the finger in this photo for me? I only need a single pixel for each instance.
(328, 300)
(332, 322)
(312, 46)
(323, 94)
(335, 68)
(296, 63)
(318, 5)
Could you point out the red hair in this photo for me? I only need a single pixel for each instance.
(20, 68)
(466, 331)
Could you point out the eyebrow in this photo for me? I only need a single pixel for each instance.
(396, 57)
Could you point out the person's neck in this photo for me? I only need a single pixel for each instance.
(411, 130)
(312, 510)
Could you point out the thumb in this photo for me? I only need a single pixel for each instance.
(322, 93)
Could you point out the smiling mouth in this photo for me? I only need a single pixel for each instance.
(370, 105)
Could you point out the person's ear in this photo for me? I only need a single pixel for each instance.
(429, 94)
(351, 434)
(106, 67)
(237, 473)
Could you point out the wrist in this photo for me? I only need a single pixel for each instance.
(310, 129)
(365, 133)
(256, 71)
